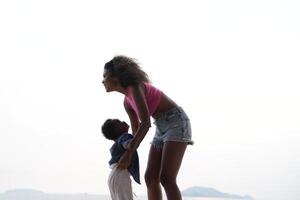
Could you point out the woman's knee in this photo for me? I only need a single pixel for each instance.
(151, 179)
(167, 181)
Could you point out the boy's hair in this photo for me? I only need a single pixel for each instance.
(126, 70)
(108, 130)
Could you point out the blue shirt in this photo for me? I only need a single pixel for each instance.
(118, 149)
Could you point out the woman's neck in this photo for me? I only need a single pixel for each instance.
(122, 90)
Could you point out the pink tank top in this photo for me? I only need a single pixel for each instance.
(152, 95)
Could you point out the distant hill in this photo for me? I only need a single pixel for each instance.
(210, 192)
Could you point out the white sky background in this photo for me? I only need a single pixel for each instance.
(232, 65)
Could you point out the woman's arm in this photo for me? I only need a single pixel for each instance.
(134, 120)
(144, 116)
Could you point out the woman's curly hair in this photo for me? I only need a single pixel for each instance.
(126, 70)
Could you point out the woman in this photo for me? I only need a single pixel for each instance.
(173, 129)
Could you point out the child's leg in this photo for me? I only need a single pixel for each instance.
(111, 183)
(124, 185)
(120, 185)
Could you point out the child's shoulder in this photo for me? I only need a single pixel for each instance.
(124, 137)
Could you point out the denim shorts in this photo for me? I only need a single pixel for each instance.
(173, 125)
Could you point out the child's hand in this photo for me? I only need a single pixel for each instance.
(125, 160)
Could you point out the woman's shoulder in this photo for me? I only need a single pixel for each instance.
(141, 87)
(150, 85)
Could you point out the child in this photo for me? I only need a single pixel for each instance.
(119, 181)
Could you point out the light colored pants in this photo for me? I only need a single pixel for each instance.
(119, 184)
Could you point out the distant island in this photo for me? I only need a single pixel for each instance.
(211, 192)
(29, 194)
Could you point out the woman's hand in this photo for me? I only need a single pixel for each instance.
(125, 160)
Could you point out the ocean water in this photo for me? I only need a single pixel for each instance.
(189, 198)
(83, 197)
(204, 198)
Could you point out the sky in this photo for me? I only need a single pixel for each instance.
(232, 65)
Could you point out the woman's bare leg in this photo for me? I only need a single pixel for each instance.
(152, 174)
(172, 155)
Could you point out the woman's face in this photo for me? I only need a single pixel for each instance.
(109, 82)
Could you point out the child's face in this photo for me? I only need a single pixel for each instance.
(120, 127)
